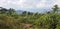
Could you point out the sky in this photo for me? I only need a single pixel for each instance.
(29, 5)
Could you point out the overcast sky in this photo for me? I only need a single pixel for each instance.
(29, 5)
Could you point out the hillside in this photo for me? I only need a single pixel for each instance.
(9, 19)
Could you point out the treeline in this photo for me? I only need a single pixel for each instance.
(9, 19)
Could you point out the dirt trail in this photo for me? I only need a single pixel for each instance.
(28, 26)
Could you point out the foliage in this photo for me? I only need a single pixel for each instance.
(55, 9)
(29, 20)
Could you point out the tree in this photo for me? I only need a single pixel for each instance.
(3, 10)
(48, 12)
(11, 11)
(24, 12)
(55, 9)
(30, 13)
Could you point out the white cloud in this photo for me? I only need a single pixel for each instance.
(41, 4)
(57, 2)
(25, 4)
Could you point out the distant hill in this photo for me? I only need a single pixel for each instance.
(19, 11)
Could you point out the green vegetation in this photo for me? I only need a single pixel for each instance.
(28, 20)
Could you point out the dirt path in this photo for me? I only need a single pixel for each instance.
(28, 26)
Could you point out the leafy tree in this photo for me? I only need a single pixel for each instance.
(24, 12)
(11, 11)
(55, 8)
(3, 10)
(30, 13)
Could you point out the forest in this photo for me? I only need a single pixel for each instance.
(9, 19)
